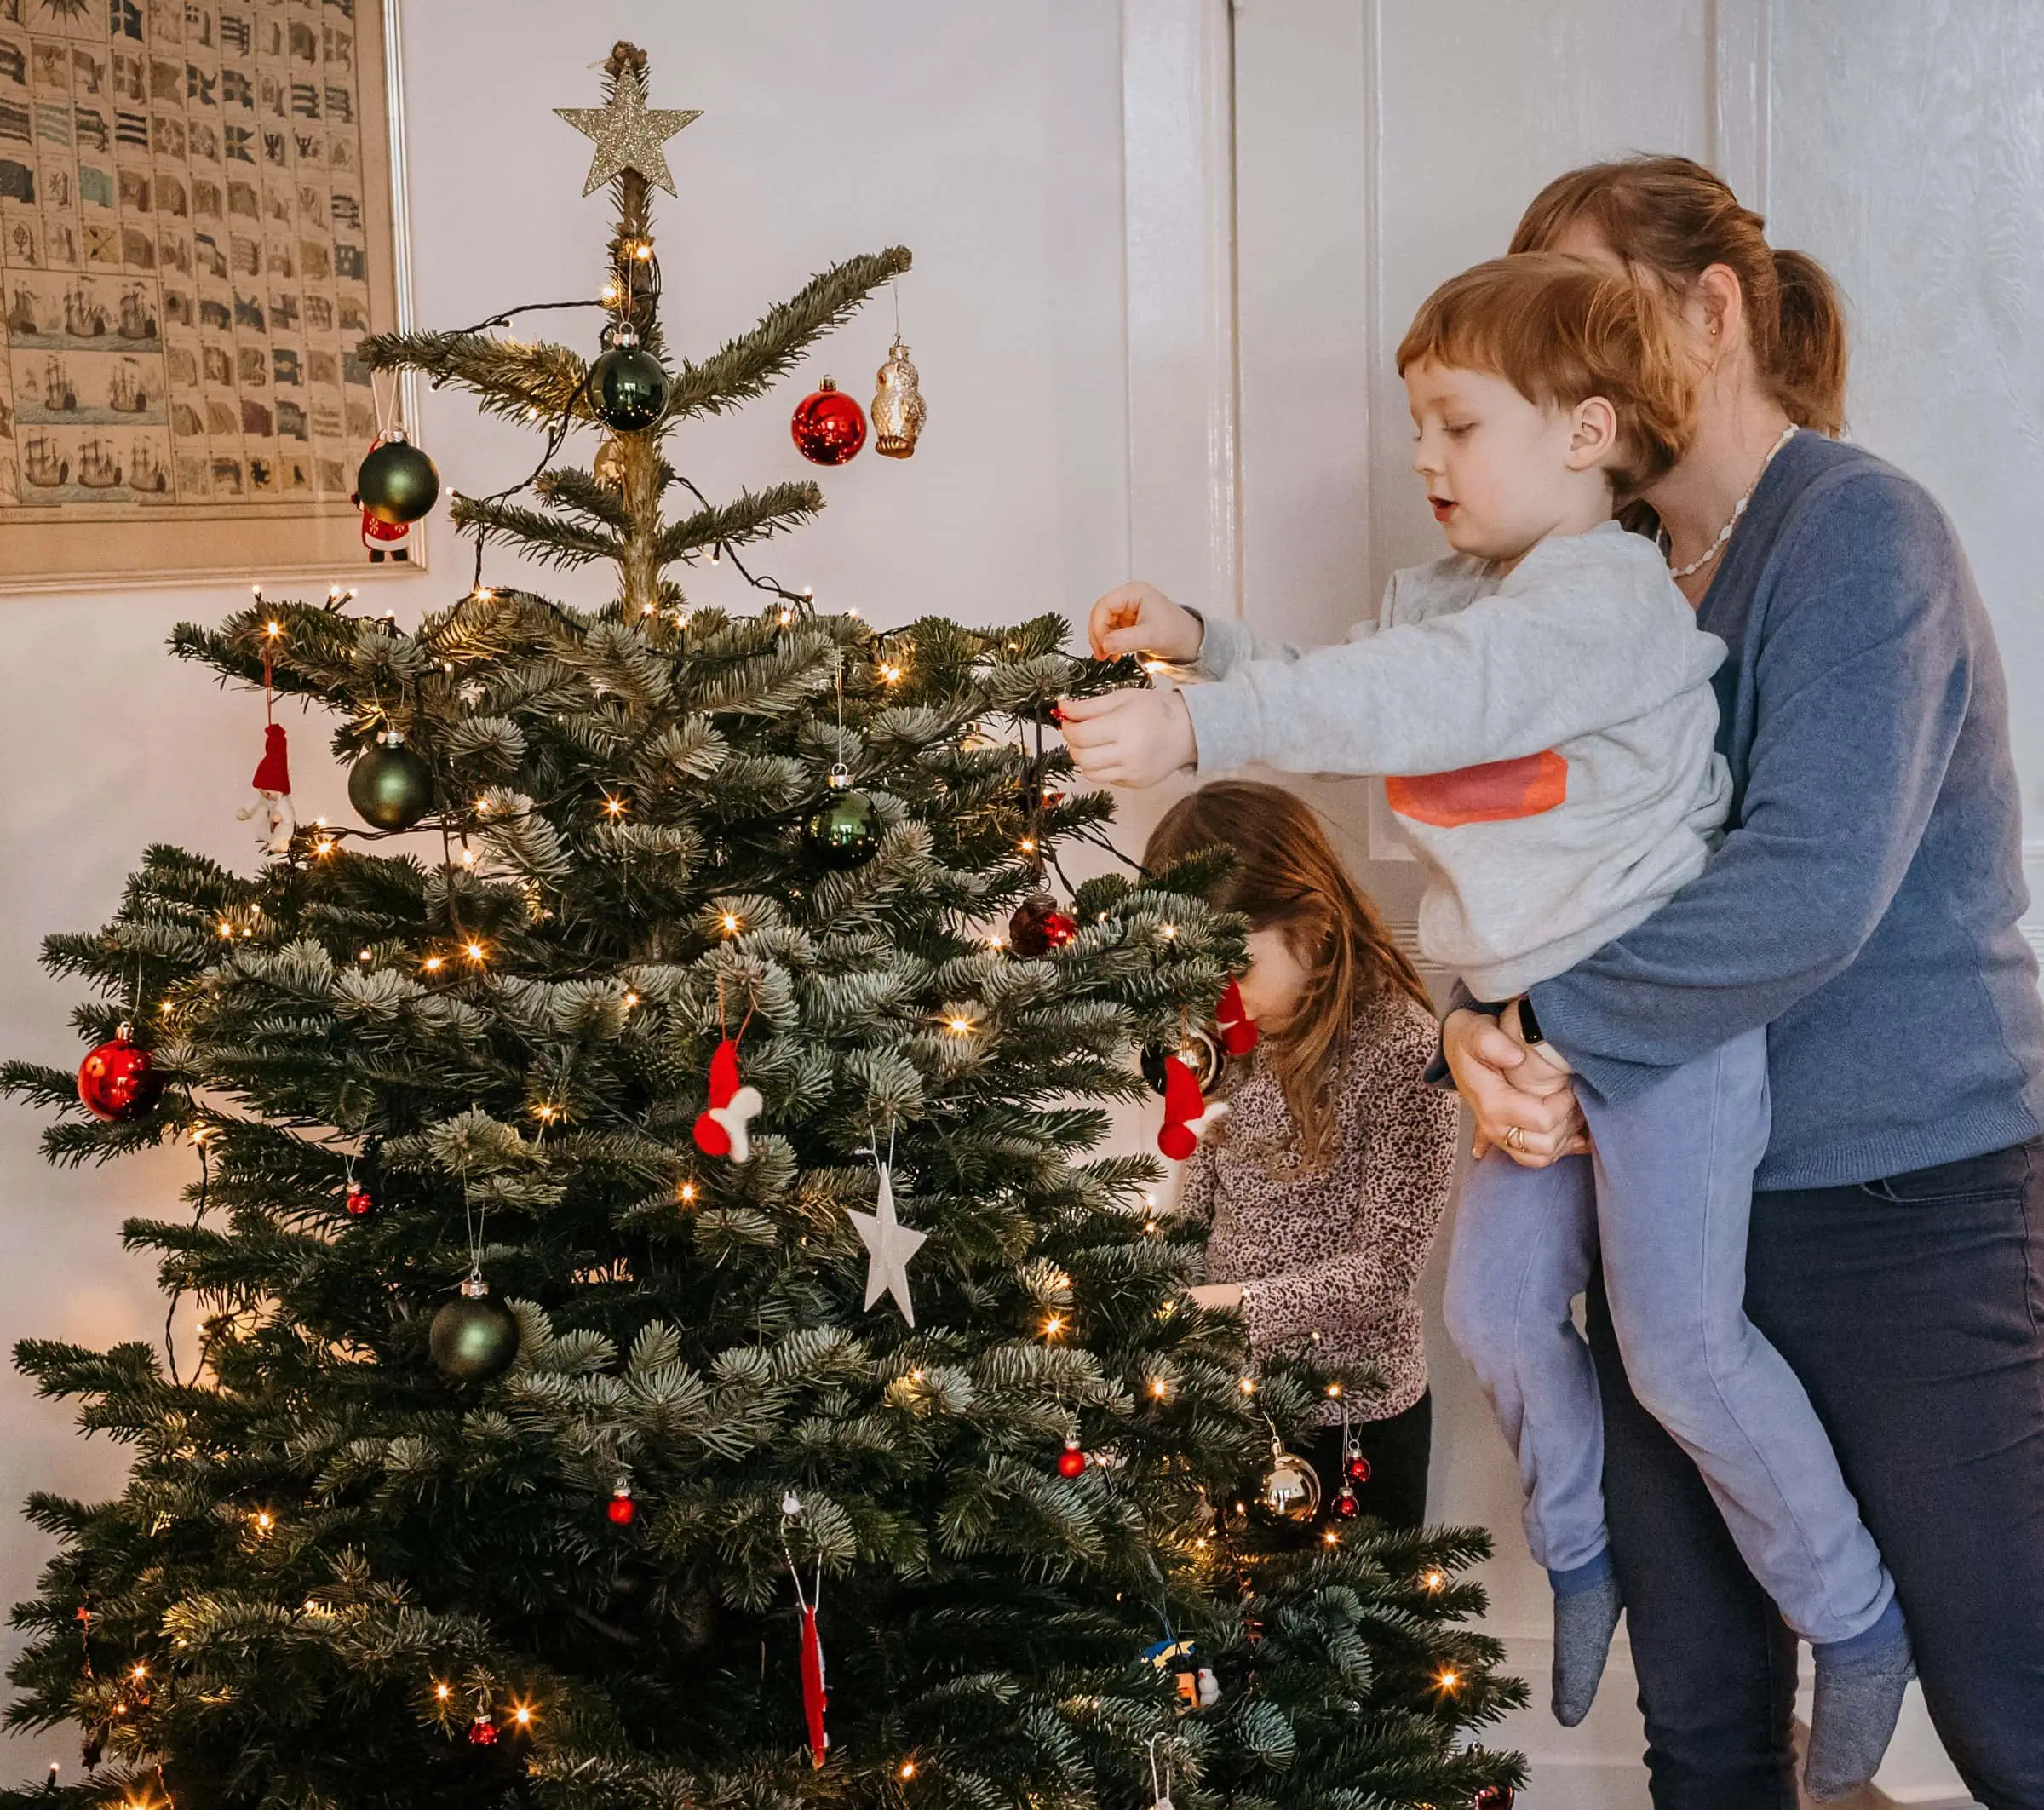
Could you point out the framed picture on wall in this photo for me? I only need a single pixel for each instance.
(199, 220)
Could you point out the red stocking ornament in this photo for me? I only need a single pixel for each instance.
(724, 1130)
(1237, 1029)
(1187, 1116)
(815, 1698)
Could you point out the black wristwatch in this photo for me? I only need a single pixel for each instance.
(1529, 1025)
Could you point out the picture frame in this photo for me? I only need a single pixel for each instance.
(202, 213)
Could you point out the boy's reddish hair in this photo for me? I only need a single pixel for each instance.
(1561, 329)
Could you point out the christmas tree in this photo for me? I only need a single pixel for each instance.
(655, 1241)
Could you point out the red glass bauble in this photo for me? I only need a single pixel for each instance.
(1039, 926)
(622, 1510)
(360, 1203)
(482, 1731)
(828, 426)
(1345, 1507)
(1357, 1468)
(118, 1080)
(1071, 1461)
(1494, 1797)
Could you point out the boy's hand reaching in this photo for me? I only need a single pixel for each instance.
(1139, 618)
(1131, 737)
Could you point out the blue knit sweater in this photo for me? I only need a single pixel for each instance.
(1864, 906)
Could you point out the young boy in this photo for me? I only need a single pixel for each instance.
(1540, 702)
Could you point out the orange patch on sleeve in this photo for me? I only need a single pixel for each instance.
(1498, 791)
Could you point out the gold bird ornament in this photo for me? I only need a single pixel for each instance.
(899, 410)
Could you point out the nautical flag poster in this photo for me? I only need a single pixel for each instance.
(196, 232)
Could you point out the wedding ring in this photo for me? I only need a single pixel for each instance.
(1515, 1137)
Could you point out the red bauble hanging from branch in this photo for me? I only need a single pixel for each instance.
(1071, 1461)
(828, 426)
(1039, 926)
(119, 1081)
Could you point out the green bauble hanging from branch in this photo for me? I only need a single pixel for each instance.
(474, 1337)
(397, 482)
(845, 832)
(389, 784)
(627, 386)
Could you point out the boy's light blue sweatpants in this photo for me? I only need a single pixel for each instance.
(1668, 1195)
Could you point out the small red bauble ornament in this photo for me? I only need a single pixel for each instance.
(1039, 926)
(1356, 1466)
(1494, 1797)
(118, 1080)
(1345, 1507)
(482, 1731)
(828, 426)
(359, 1203)
(622, 1510)
(1071, 1461)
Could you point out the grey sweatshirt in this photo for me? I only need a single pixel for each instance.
(1547, 740)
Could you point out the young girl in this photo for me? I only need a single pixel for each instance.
(1327, 1181)
(1542, 701)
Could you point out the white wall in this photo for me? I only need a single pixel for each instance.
(988, 138)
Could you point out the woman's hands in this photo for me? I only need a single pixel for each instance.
(1484, 1057)
(1132, 737)
(1139, 618)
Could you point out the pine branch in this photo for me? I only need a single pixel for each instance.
(547, 539)
(508, 376)
(752, 517)
(750, 365)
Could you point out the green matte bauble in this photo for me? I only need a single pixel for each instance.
(473, 1337)
(390, 786)
(397, 482)
(845, 832)
(627, 389)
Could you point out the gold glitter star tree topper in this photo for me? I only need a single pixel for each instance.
(628, 133)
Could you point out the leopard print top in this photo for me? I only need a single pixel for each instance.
(1336, 1252)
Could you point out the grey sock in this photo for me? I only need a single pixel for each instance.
(1586, 1617)
(1859, 1687)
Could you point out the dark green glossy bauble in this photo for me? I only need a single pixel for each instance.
(397, 482)
(390, 786)
(627, 389)
(845, 832)
(474, 1338)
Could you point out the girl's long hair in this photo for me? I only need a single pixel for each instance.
(1286, 875)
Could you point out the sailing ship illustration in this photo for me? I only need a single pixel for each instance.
(98, 468)
(21, 313)
(126, 392)
(137, 321)
(146, 475)
(60, 392)
(43, 465)
(84, 317)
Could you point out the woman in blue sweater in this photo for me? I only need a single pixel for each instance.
(1865, 908)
